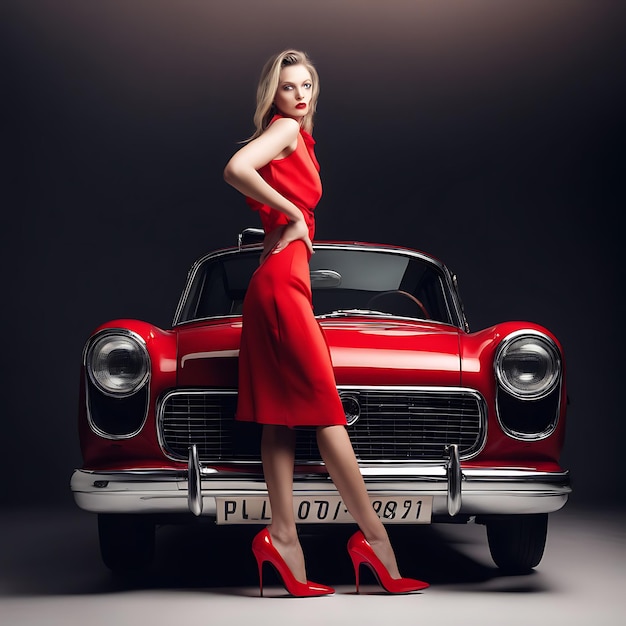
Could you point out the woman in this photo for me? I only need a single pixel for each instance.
(285, 373)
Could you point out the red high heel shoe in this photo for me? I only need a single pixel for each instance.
(362, 553)
(264, 551)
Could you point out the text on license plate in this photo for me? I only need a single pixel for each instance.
(319, 509)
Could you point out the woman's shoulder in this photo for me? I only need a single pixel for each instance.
(284, 123)
(283, 132)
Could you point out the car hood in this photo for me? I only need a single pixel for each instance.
(364, 352)
(394, 353)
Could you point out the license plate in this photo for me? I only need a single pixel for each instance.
(325, 509)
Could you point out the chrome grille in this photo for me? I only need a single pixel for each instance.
(394, 425)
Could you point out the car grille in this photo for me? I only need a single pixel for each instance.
(394, 425)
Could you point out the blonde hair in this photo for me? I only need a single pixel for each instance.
(268, 85)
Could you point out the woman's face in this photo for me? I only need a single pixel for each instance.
(295, 88)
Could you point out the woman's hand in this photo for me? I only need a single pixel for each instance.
(270, 241)
(281, 237)
(295, 230)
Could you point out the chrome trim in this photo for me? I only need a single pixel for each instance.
(470, 454)
(102, 433)
(213, 318)
(544, 434)
(194, 490)
(454, 480)
(162, 401)
(259, 232)
(432, 472)
(557, 388)
(482, 407)
(505, 343)
(456, 313)
(459, 301)
(375, 319)
(326, 319)
(497, 491)
(90, 421)
(352, 416)
(124, 332)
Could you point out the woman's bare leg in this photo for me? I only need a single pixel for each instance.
(277, 453)
(338, 455)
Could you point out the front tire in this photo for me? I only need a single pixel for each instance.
(126, 542)
(517, 542)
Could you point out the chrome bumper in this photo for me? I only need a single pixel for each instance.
(472, 491)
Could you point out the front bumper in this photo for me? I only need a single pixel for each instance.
(455, 490)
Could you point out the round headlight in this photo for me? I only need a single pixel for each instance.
(118, 364)
(528, 366)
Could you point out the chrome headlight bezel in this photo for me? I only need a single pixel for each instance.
(538, 352)
(99, 353)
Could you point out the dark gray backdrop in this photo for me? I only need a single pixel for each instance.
(488, 133)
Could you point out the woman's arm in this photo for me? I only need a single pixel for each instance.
(278, 140)
(241, 171)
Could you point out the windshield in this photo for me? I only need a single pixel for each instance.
(344, 282)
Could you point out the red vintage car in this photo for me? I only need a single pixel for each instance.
(447, 424)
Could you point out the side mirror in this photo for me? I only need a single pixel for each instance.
(249, 236)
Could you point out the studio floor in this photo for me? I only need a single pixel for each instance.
(51, 574)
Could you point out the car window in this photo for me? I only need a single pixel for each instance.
(343, 281)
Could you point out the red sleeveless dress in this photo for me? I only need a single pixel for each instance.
(285, 371)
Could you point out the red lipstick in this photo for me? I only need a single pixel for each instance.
(301, 105)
